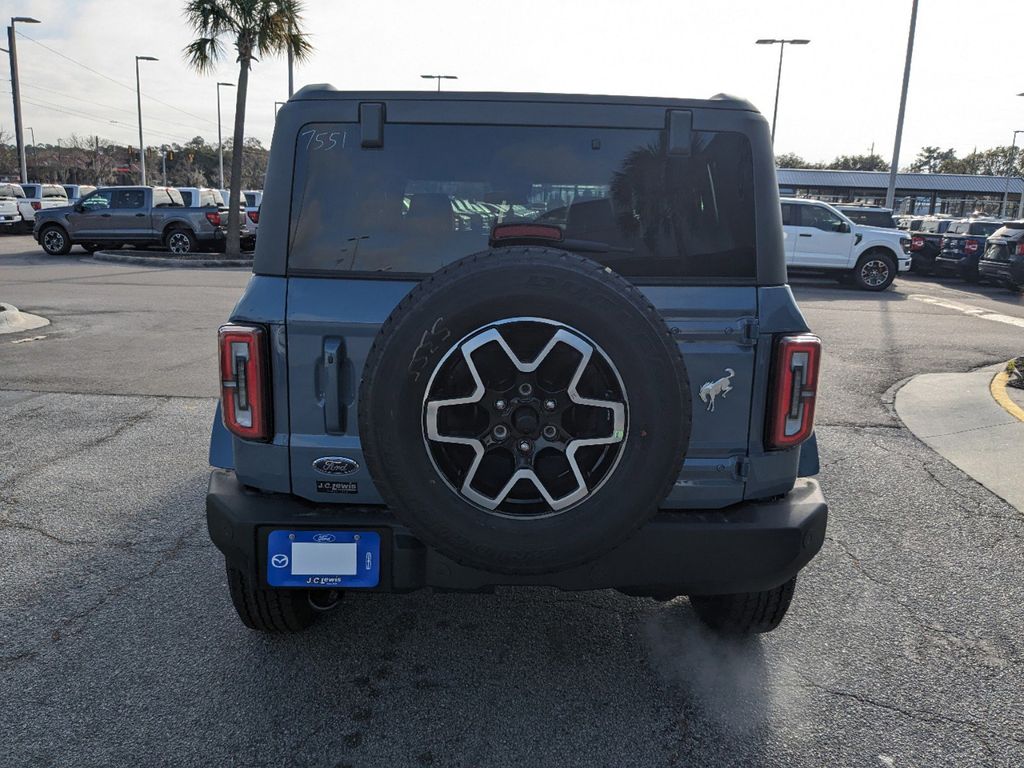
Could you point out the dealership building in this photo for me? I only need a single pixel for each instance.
(916, 193)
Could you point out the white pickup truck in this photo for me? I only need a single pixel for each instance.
(818, 238)
(40, 197)
(10, 218)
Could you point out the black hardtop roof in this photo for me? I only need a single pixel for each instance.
(327, 92)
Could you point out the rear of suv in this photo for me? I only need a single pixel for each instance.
(517, 340)
(1003, 260)
(962, 247)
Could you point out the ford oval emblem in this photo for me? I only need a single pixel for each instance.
(335, 465)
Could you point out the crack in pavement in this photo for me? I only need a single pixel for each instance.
(68, 624)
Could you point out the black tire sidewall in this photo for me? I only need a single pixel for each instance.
(871, 256)
(193, 244)
(62, 251)
(421, 334)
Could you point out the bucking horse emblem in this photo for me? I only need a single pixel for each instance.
(713, 389)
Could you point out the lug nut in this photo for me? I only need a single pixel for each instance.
(500, 405)
(500, 432)
(525, 389)
(524, 446)
(550, 432)
(550, 405)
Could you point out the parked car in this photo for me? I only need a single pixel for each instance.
(76, 192)
(908, 223)
(1003, 260)
(202, 197)
(39, 197)
(253, 198)
(219, 198)
(869, 215)
(534, 404)
(144, 216)
(926, 242)
(820, 239)
(962, 247)
(10, 217)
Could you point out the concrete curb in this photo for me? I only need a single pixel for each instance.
(998, 389)
(13, 320)
(956, 415)
(162, 261)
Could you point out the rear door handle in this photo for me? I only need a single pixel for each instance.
(140, 215)
(804, 234)
(333, 419)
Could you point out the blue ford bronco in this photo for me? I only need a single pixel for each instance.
(517, 339)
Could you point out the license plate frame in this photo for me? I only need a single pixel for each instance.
(323, 559)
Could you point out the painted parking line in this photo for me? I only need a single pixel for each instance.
(969, 309)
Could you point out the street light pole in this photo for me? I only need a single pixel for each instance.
(439, 78)
(12, 52)
(220, 141)
(890, 195)
(138, 95)
(778, 79)
(1004, 208)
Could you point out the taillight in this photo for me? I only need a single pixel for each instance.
(245, 387)
(522, 231)
(916, 243)
(1020, 249)
(254, 217)
(971, 246)
(214, 218)
(794, 390)
(36, 205)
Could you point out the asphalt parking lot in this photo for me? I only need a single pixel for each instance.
(904, 646)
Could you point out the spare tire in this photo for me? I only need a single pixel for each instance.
(524, 410)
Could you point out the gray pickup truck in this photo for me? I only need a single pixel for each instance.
(141, 216)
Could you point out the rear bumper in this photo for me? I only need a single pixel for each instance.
(1011, 272)
(959, 264)
(746, 548)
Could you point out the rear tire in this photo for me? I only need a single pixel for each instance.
(55, 240)
(745, 613)
(181, 241)
(875, 271)
(269, 610)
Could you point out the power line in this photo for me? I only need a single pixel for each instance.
(116, 82)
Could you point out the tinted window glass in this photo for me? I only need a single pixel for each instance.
(871, 218)
(985, 228)
(186, 197)
(96, 200)
(128, 198)
(433, 193)
(250, 199)
(820, 218)
(31, 190)
(788, 216)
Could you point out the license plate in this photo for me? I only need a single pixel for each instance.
(330, 559)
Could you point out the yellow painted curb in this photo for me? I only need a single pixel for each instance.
(998, 389)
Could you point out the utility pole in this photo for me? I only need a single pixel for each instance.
(138, 95)
(890, 195)
(12, 52)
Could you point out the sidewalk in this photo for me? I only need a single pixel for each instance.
(957, 416)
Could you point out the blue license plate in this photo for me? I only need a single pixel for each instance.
(331, 559)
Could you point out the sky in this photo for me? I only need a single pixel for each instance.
(840, 93)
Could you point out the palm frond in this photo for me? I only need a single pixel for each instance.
(204, 54)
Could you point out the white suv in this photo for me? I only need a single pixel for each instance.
(819, 238)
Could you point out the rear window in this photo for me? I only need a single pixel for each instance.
(984, 228)
(870, 218)
(11, 190)
(250, 199)
(209, 198)
(433, 193)
(31, 190)
(54, 190)
(186, 197)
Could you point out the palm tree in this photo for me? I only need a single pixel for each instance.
(256, 28)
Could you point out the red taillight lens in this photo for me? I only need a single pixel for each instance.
(519, 231)
(1020, 249)
(916, 243)
(971, 246)
(794, 390)
(244, 382)
(254, 217)
(36, 205)
(214, 218)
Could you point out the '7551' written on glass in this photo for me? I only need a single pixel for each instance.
(323, 140)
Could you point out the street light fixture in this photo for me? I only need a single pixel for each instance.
(439, 78)
(138, 96)
(12, 52)
(778, 81)
(220, 141)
